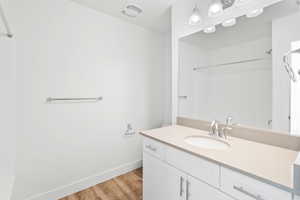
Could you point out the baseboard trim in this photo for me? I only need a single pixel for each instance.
(86, 182)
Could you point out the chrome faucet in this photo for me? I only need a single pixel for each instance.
(214, 128)
(229, 120)
(227, 127)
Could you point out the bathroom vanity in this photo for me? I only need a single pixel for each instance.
(176, 168)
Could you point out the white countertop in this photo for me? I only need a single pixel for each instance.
(268, 162)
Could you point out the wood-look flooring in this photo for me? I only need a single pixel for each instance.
(125, 187)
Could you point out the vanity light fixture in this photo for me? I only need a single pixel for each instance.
(215, 9)
(255, 13)
(210, 29)
(195, 18)
(229, 22)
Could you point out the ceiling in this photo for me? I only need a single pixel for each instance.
(155, 16)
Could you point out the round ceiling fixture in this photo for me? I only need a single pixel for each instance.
(132, 11)
(229, 22)
(210, 29)
(255, 13)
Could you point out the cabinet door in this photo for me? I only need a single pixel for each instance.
(161, 182)
(153, 178)
(198, 190)
(175, 184)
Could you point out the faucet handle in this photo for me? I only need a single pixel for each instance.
(225, 130)
(212, 127)
(229, 120)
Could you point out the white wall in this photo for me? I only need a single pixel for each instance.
(7, 112)
(7, 116)
(295, 90)
(190, 82)
(284, 33)
(243, 91)
(167, 84)
(66, 50)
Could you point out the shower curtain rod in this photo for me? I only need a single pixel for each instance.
(269, 52)
(8, 31)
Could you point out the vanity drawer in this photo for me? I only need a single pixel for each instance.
(243, 187)
(154, 147)
(195, 166)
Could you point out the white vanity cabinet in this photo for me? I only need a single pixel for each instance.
(162, 181)
(173, 174)
(156, 173)
(197, 189)
(246, 188)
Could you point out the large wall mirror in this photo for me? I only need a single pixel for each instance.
(239, 70)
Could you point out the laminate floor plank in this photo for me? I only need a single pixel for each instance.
(139, 172)
(125, 187)
(133, 183)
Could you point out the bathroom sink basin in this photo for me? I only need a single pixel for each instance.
(207, 142)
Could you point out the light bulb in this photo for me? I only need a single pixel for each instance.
(229, 22)
(210, 29)
(215, 8)
(255, 13)
(195, 18)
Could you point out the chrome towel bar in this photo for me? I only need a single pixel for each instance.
(269, 53)
(50, 99)
(229, 63)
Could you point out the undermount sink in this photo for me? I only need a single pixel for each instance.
(207, 142)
